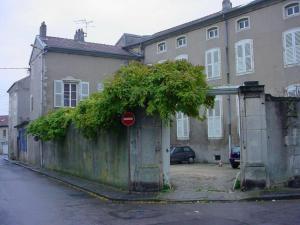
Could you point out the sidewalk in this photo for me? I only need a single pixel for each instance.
(109, 193)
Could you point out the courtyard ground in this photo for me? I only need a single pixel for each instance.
(202, 177)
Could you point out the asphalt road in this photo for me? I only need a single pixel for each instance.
(27, 198)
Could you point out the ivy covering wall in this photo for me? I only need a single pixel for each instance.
(161, 89)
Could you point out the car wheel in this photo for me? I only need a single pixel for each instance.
(235, 165)
(191, 160)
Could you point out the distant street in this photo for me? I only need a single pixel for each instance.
(27, 198)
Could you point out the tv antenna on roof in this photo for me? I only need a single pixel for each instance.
(85, 23)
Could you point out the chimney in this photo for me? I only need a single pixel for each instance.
(79, 35)
(43, 30)
(226, 5)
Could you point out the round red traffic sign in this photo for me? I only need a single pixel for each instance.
(128, 119)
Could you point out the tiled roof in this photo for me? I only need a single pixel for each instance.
(207, 20)
(87, 47)
(4, 121)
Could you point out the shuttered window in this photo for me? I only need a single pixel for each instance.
(67, 93)
(213, 63)
(183, 128)
(291, 47)
(244, 57)
(215, 119)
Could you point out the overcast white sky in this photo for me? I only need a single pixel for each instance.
(20, 21)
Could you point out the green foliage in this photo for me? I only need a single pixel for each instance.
(161, 89)
(52, 126)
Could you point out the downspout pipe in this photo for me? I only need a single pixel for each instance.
(227, 70)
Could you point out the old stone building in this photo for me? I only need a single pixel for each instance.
(258, 41)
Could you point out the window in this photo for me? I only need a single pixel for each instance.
(4, 133)
(181, 42)
(182, 57)
(215, 119)
(100, 87)
(212, 33)
(68, 93)
(291, 43)
(213, 63)
(31, 103)
(291, 10)
(244, 57)
(243, 24)
(182, 126)
(161, 47)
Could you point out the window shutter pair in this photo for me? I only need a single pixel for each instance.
(212, 61)
(59, 92)
(244, 56)
(214, 120)
(182, 122)
(292, 47)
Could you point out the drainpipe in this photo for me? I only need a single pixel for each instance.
(227, 69)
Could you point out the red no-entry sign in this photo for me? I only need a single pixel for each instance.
(128, 119)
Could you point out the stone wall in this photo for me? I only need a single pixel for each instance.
(283, 126)
(105, 159)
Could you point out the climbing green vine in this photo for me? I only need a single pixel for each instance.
(161, 89)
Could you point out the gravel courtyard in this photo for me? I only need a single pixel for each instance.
(202, 177)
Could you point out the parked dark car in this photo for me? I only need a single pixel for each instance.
(182, 154)
(235, 157)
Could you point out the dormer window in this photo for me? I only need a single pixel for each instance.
(243, 24)
(161, 47)
(181, 42)
(292, 9)
(212, 33)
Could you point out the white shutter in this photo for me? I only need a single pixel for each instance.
(289, 49)
(182, 122)
(244, 56)
(84, 90)
(58, 93)
(186, 126)
(297, 46)
(208, 64)
(212, 63)
(239, 59)
(216, 58)
(100, 87)
(214, 120)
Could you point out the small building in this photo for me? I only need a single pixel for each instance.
(19, 103)
(4, 134)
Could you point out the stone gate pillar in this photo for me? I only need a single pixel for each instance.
(253, 140)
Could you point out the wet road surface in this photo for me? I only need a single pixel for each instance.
(28, 198)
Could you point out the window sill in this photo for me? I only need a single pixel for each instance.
(291, 65)
(208, 39)
(215, 138)
(183, 138)
(244, 73)
(241, 30)
(291, 16)
(214, 78)
(183, 46)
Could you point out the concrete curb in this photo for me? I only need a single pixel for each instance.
(257, 196)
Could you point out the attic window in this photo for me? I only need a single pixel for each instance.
(161, 47)
(243, 24)
(181, 42)
(292, 9)
(212, 33)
